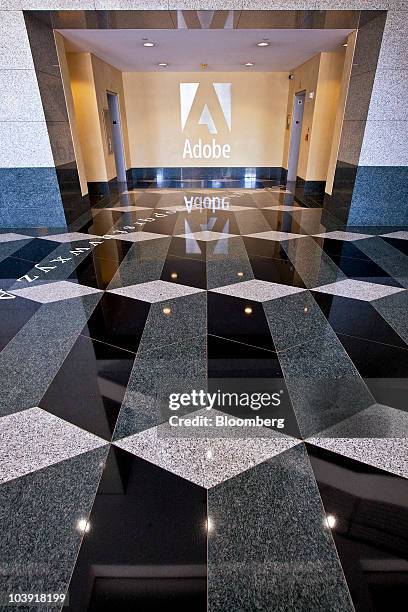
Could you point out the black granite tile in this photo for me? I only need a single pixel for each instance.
(14, 314)
(11, 269)
(362, 270)
(342, 248)
(101, 373)
(41, 518)
(238, 319)
(119, 321)
(195, 249)
(36, 250)
(357, 318)
(366, 511)
(260, 247)
(383, 367)
(190, 272)
(231, 359)
(279, 271)
(146, 548)
(397, 243)
(268, 548)
(95, 272)
(32, 358)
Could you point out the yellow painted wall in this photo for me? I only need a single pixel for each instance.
(91, 78)
(62, 59)
(87, 116)
(324, 116)
(338, 124)
(257, 136)
(108, 78)
(322, 75)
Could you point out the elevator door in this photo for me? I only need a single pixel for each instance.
(117, 140)
(295, 135)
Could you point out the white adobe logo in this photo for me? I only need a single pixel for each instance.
(188, 93)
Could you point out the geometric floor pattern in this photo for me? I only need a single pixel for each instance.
(205, 406)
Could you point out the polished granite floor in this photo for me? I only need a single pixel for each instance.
(223, 289)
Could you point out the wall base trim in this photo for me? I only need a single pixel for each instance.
(137, 175)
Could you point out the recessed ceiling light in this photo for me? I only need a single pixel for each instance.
(263, 43)
(162, 64)
(249, 64)
(344, 45)
(148, 44)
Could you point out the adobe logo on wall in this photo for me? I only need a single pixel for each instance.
(222, 97)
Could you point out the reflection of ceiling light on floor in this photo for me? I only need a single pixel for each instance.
(248, 310)
(209, 525)
(331, 521)
(83, 526)
(263, 43)
(148, 44)
(240, 274)
(173, 275)
(249, 64)
(166, 310)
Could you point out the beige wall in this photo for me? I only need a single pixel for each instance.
(259, 103)
(91, 78)
(321, 75)
(108, 78)
(59, 42)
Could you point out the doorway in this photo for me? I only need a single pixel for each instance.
(117, 139)
(295, 135)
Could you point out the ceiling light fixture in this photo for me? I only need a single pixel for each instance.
(162, 64)
(263, 43)
(249, 64)
(344, 45)
(148, 44)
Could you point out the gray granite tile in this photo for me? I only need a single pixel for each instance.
(42, 517)
(358, 290)
(54, 291)
(393, 44)
(174, 320)
(352, 135)
(390, 87)
(127, 208)
(32, 358)
(207, 455)
(257, 290)
(388, 257)
(268, 547)
(15, 49)
(399, 235)
(230, 267)
(376, 421)
(11, 237)
(206, 236)
(138, 236)
(346, 236)
(26, 144)
(175, 368)
(273, 235)
(373, 151)
(143, 263)
(33, 439)
(311, 263)
(394, 310)
(156, 291)
(323, 383)
(286, 208)
(294, 319)
(23, 101)
(70, 237)
(390, 454)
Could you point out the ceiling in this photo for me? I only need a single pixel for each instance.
(223, 50)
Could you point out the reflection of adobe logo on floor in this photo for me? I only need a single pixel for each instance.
(221, 99)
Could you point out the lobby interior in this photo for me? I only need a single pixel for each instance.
(208, 213)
